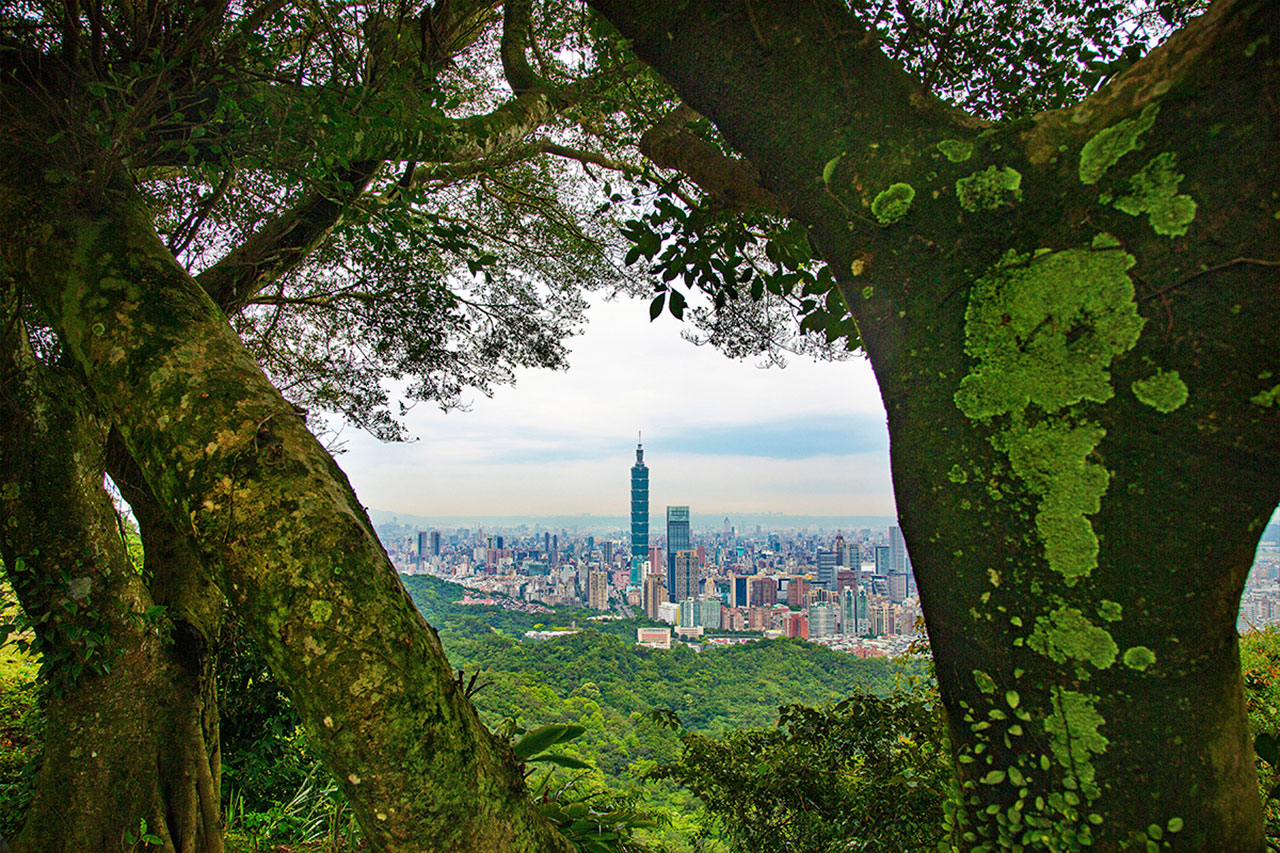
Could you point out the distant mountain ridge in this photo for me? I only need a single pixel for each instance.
(745, 523)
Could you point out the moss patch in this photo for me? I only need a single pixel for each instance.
(1106, 148)
(989, 189)
(1154, 191)
(1044, 330)
(1267, 399)
(956, 150)
(1066, 634)
(893, 204)
(1074, 736)
(1164, 392)
(1139, 658)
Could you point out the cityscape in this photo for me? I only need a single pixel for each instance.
(851, 590)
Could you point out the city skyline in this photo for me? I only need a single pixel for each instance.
(727, 436)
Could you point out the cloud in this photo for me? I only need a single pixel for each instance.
(718, 434)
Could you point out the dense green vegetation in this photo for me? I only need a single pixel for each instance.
(752, 747)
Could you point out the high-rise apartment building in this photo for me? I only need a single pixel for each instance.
(762, 592)
(678, 539)
(685, 577)
(639, 515)
(598, 591)
(797, 591)
(654, 594)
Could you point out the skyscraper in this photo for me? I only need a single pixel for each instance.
(898, 563)
(897, 551)
(639, 515)
(827, 570)
(678, 540)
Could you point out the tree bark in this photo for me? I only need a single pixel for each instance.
(125, 691)
(235, 470)
(1072, 320)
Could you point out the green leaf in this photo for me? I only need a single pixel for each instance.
(567, 761)
(543, 737)
(830, 169)
(677, 304)
(655, 307)
(994, 777)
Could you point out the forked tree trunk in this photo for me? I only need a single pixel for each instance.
(1073, 322)
(235, 470)
(126, 689)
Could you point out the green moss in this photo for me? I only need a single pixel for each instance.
(1073, 734)
(1066, 634)
(893, 204)
(321, 610)
(1139, 658)
(989, 189)
(985, 682)
(1164, 392)
(955, 150)
(1044, 330)
(1106, 148)
(1110, 610)
(1266, 399)
(1154, 191)
(957, 474)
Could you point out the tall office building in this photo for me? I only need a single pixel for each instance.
(897, 552)
(899, 565)
(882, 560)
(435, 543)
(678, 539)
(842, 550)
(827, 570)
(822, 620)
(639, 515)
(685, 577)
(848, 612)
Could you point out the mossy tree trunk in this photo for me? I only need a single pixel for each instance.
(233, 468)
(131, 733)
(1073, 321)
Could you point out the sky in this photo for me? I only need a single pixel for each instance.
(721, 436)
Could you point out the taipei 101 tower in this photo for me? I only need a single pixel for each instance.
(639, 516)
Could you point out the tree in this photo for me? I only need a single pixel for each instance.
(169, 168)
(866, 773)
(1071, 315)
(251, 146)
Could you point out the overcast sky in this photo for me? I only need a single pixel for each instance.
(721, 436)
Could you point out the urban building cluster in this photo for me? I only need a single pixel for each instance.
(852, 590)
(838, 588)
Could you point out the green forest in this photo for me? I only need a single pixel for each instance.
(766, 746)
(231, 229)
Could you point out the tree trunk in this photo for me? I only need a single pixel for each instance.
(125, 740)
(235, 470)
(1072, 320)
